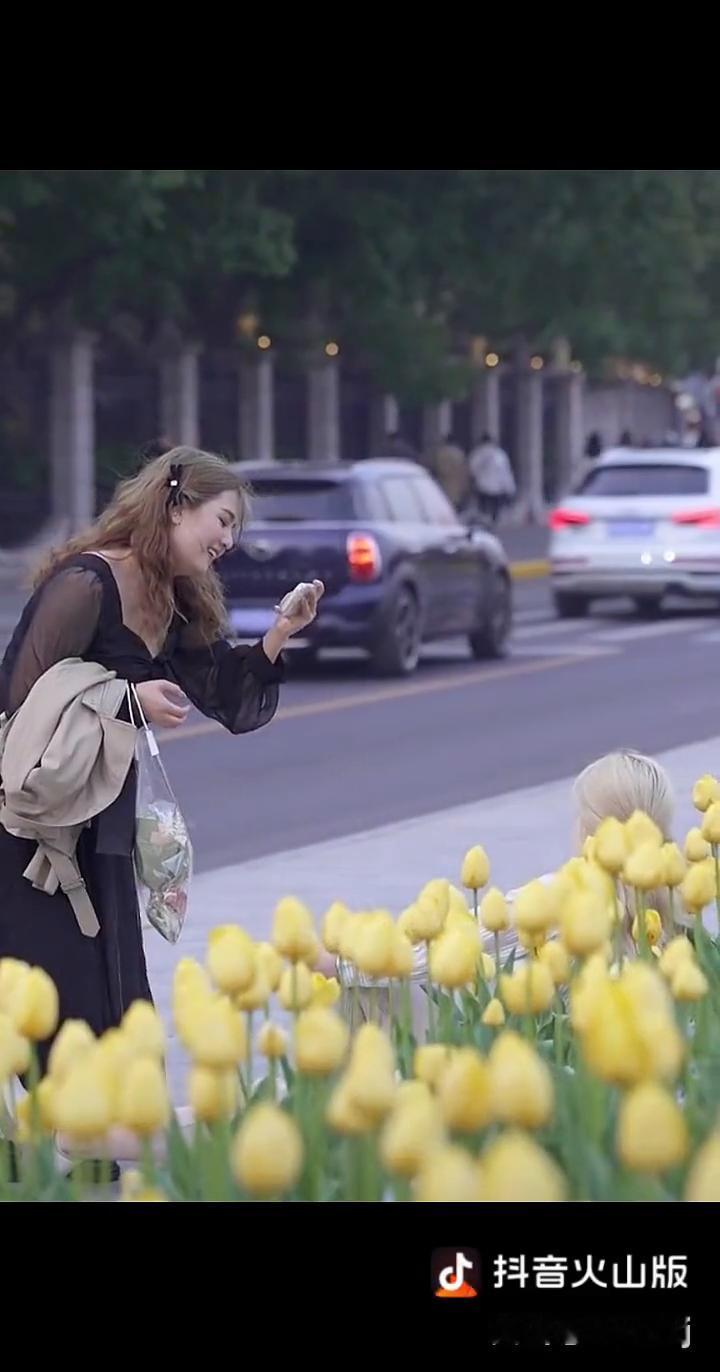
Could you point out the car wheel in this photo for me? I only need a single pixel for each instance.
(569, 606)
(396, 651)
(491, 639)
(648, 606)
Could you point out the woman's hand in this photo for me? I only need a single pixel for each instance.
(303, 611)
(163, 703)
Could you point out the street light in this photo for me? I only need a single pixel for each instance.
(492, 360)
(332, 349)
(264, 342)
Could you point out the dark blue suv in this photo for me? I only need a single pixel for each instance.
(399, 567)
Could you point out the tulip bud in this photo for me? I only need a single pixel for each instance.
(372, 950)
(293, 931)
(494, 914)
(515, 1168)
(464, 1092)
(534, 907)
(645, 867)
(296, 988)
(333, 925)
(144, 1105)
(454, 957)
(371, 1087)
(703, 1183)
(710, 827)
(493, 1015)
(12, 974)
(585, 923)
(344, 1115)
(448, 1175)
(402, 958)
(326, 990)
(257, 994)
(529, 990)
(653, 928)
(430, 1062)
(267, 1153)
(34, 1006)
(674, 865)
(71, 1044)
(554, 956)
(679, 950)
(406, 922)
(652, 1135)
(431, 911)
(689, 983)
(412, 1132)
(699, 887)
(215, 1034)
(321, 1041)
(190, 979)
(610, 849)
(697, 848)
(458, 903)
(272, 1041)
(520, 1083)
(14, 1050)
(231, 959)
(213, 1095)
(82, 1105)
(460, 920)
(705, 792)
(475, 869)
(641, 829)
(43, 1098)
(143, 1029)
(269, 963)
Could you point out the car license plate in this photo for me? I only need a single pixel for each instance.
(631, 528)
(252, 621)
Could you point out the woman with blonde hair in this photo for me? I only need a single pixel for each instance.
(137, 593)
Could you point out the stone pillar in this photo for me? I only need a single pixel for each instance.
(384, 419)
(324, 411)
(529, 443)
(257, 410)
(485, 405)
(180, 395)
(569, 429)
(72, 430)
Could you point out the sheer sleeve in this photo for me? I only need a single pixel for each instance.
(63, 624)
(237, 686)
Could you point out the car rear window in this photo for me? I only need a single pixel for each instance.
(274, 500)
(648, 478)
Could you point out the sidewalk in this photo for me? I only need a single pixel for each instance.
(526, 833)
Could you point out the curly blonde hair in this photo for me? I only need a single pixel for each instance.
(138, 517)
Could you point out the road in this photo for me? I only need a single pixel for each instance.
(348, 752)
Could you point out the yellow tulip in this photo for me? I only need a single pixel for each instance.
(449, 1174)
(111, 1057)
(534, 908)
(296, 988)
(705, 792)
(190, 979)
(72, 1043)
(326, 990)
(460, 920)
(213, 1095)
(272, 1041)
(34, 1006)
(402, 958)
(610, 848)
(411, 1091)
(696, 847)
(294, 932)
(411, 1133)
(231, 959)
(454, 958)
(529, 990)
(653, 928)
(373, 945)
(430, 1061)
(429, 914)
(144, 1105)
(143, 1029)
(645, 867)
(627, 1039)
(464, 1092)
(710, 827)
(689, 983)
(641, 829)
(267, 1152)
(146, 1194)
(532, 940)
(584, 923)
(344, 1115)
(554, 956)
(703, 1182)
(674, 865)
(348, 935)
(493, 1015)
(406, 923)
(257, 994)
(215, 1034)
(321, 1041)
(12, 974)
(371, 1087)
(269, 963)
(458, 903)
(520, 1083)
(698, 888)
(652, 1135)
(679, 950)
(494, 913)
(82, 1106)
(475, 869)
(515, 1168)
(333, 924)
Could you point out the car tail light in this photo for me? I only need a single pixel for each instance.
(567, 519)
(364, 560)
(700, 519)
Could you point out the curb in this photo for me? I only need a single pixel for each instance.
(528, 571)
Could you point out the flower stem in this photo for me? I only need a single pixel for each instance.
(431, 1003)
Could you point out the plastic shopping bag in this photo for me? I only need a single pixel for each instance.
(162, 852)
